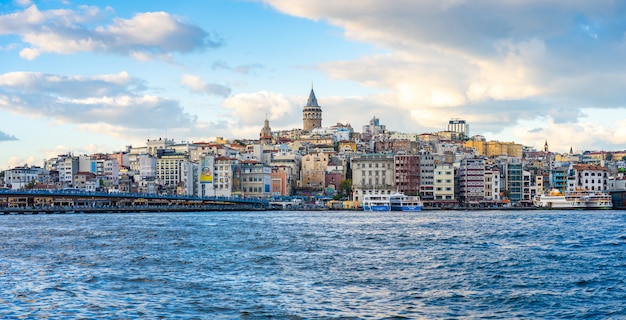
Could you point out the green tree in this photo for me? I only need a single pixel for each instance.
(609, 156)
(30, 185)
(346, 187)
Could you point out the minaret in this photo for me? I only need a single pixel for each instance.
(266, 132)
(311, 114)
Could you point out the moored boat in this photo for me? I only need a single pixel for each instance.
(376, 202)
(598, 200)
(574, 200)
(401, 202)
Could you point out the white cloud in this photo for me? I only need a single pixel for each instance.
(579, 136)
(494, 63)
(252, 108)
(197, 85)
(23, 3)
(115, 99)
(14, 161)
(147, 35)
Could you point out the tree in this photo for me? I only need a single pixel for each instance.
(608, 157)
(346, 187)
(30, 185)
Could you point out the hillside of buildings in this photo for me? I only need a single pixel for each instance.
(446, 167)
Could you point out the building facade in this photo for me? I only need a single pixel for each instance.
(313, 169)
(471, 181)
(444, 183)
(255, 179)
(588, 178)
(372, 174)
(407, 173)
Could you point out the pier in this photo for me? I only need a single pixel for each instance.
(75, 201)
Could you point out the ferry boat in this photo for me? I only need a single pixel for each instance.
(376, 202)
(574, 200)
(598, 200)
(401, 202)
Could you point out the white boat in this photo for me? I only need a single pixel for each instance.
(598, 200)
(376, 202)
(573, 200)
(401, 202)
(560, 202)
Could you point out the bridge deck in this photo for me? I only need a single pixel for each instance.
(44, 201)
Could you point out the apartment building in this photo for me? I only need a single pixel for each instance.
(313, 169)
(427, 175)
(255, 179)
(587, 177)
(407, 173)
(492, 185)
(372, 174)
(471, 180)
(443, 183)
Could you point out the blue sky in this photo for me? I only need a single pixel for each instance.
(96, 76)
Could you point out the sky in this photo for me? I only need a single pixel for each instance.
(97, 76)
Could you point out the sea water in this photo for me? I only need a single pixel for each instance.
(315, 265)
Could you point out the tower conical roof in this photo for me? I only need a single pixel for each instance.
(312, 102)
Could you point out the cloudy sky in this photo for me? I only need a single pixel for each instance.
(85, 76)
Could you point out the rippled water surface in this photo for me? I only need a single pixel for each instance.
(315, 265)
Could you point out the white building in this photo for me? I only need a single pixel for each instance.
(458, 126)
(617, 183)
(372, 174)
(147, 166)
(20, 177)
(67, 169)
(223, 179)
(153, 146)
(587, 177)
(168, 171)
(189, 176)
(492, 185)
(403, 136)
(374, 127)
(444, 182)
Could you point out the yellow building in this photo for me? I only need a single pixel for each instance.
(495, 148)
(477, 145)
(313, 169)
(346, 145)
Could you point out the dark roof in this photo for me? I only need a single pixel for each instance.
(312, 102)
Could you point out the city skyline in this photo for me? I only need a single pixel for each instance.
(85, 77)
